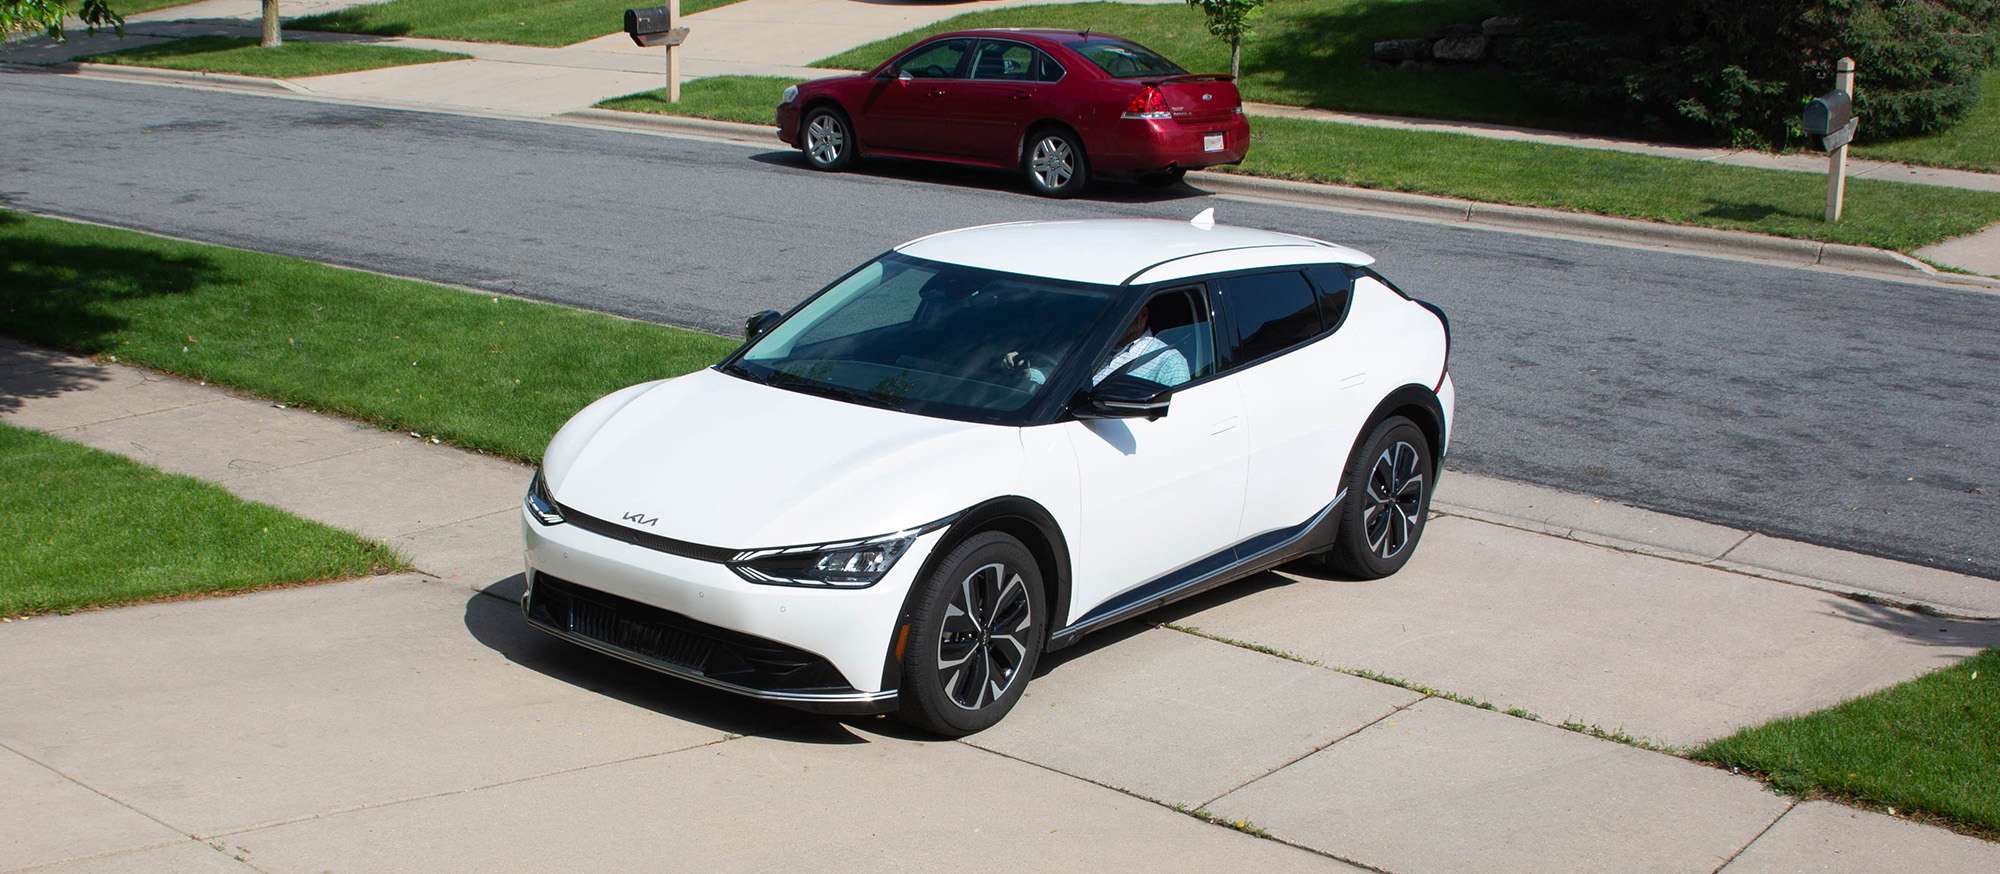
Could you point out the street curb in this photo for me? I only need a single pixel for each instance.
(673, 124)
(223, 81)
(1713, 242)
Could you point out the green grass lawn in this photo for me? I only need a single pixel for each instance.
(494, 374)
(1315, 53)
(1301, 52)
(1974, 144)
(519, 22)
(1931, 745)
(136, 7)
(294, 59)
(747, 99)
(101, 529)
(1886, 215)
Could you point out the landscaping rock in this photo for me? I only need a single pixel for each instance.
(1453, 30)
(1498, 26)
(1460, 48)
(1402, 49)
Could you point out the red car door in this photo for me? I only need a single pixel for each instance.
(1006, 90)
(906, 111)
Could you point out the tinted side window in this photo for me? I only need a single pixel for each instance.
(1005, 61)
(1336, 290)
(1267, 312)
(935, 61)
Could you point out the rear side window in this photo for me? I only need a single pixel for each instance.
(1005, 61)
(1268, 313)
(1336, 290)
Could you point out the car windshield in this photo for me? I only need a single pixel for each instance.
(1123, 59)
(929, 338)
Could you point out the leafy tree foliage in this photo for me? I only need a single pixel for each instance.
(1738, 70)
(46, 16)
(1230, 20)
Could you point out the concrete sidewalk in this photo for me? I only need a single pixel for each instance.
(412, 723)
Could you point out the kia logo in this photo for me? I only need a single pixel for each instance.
(640, 519)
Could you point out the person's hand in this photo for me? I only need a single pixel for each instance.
(1015, 361)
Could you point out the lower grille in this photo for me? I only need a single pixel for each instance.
(668, 638)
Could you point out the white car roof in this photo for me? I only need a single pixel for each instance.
(1113, 251)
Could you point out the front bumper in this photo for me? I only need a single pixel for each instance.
(824, 650)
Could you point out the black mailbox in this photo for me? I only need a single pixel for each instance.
(1827, 113)
(649, 27)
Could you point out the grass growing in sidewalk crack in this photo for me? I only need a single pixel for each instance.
(102, 529)
(1205, 815)
(292, 60)
(491, 373)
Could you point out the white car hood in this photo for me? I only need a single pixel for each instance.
(723, 461)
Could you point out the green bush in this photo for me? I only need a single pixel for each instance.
(1739, 70)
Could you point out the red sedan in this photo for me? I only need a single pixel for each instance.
(1058, 105)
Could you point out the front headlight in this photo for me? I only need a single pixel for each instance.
(541, 504)
(791, 93)
(848, 564)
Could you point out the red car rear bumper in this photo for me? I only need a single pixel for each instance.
(1157, 144)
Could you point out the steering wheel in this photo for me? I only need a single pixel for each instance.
(933, 71)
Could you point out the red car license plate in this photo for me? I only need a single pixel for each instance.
(1212, 142)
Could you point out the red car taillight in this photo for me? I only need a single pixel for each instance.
(1149, 104)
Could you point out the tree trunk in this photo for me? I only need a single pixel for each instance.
(272, 36)
(1235, 55)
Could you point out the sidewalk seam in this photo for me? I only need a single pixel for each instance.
(100, 793)
(1180, 809)
(1790, 805)
(1314, 751)
(391, 802)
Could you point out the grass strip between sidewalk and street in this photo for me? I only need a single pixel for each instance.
(1929, 747)
(293, 60)
(516, 22)
(1886, 215)
(496, 374)
(102, 529)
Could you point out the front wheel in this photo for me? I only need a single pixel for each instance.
(1388, 497)
(975, 637)
(1055, 164)
(827, 139)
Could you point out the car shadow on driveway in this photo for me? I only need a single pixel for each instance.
(984, 179)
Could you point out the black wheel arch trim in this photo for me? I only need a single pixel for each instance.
(1431, 421)
(1016, 516)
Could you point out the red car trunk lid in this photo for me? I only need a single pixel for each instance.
(1197, 99)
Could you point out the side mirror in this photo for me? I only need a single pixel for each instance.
(760, 324)
(1124, 397)
(904, 76)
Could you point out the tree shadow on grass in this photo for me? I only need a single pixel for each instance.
(1745, 212)
(1321, 59)
(67, 295)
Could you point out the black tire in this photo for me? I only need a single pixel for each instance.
(1163, 178)
(827, 139)
(957, 652)
(1054, 162)
(1388, 499)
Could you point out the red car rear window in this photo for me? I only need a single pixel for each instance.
(1124, 59)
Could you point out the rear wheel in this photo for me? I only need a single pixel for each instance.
(827, 139)
(1388, 497)
(975, 637)
(1055, 163)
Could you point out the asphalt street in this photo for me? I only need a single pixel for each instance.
(1854, 413)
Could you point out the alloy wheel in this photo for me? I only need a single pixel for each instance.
(1395, 500)
(826, 139)
(1052, 162)
(983, 644)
